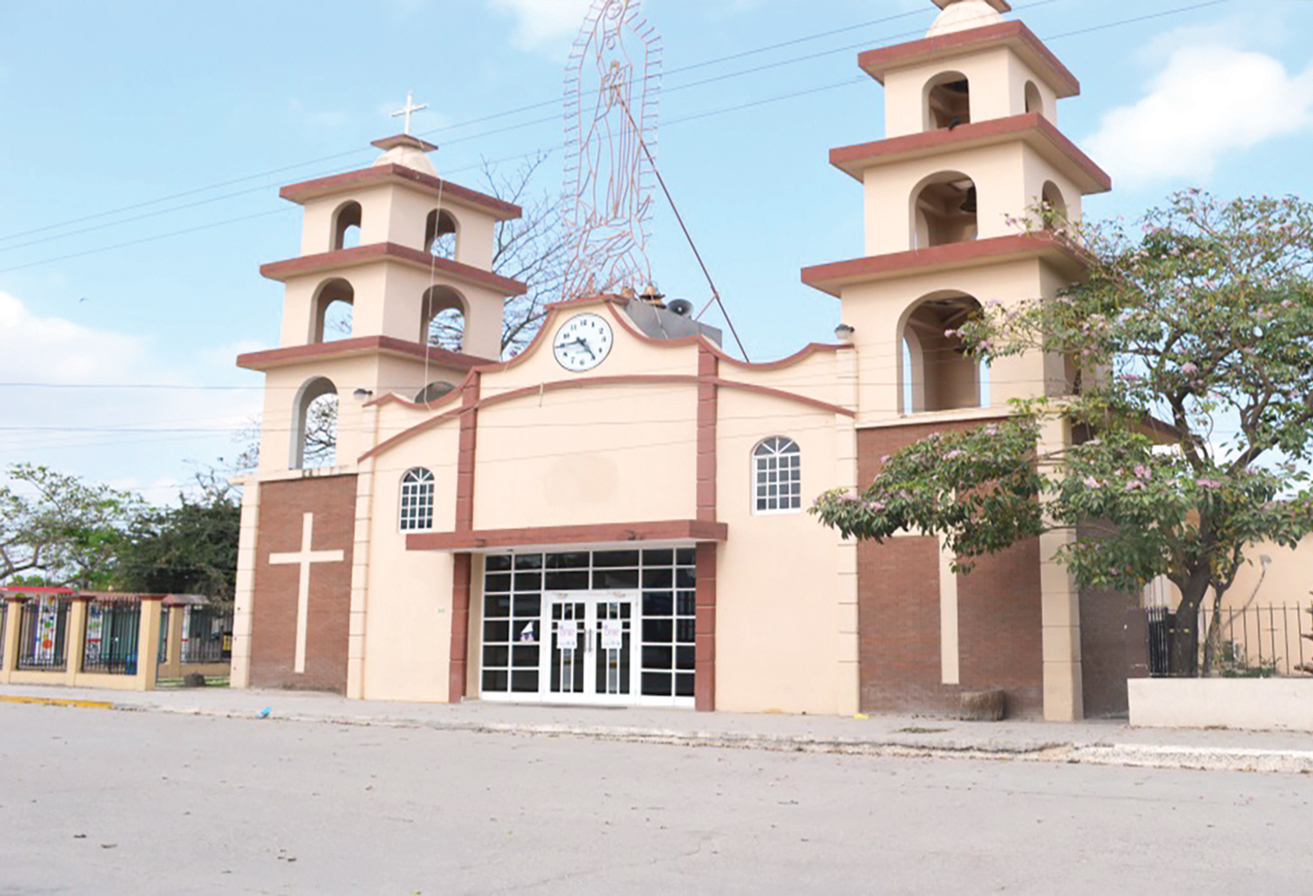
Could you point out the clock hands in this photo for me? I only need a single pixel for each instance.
(579, 340)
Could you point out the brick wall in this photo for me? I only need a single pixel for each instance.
(999, 613)
(1112, 640)
(332, 500)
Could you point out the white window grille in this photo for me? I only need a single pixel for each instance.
(777, 471)
(416, 500)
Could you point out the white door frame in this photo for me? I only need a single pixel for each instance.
(588, 638)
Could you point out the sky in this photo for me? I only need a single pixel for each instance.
(145, 142)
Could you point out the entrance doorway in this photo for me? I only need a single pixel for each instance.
(607, 625)
(590, 655)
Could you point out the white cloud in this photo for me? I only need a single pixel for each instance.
(51, 349)
(1209, 100)
(127, 435)
(539, 23)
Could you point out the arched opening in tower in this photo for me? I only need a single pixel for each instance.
(1052, 206)
(945, 211)
(315, 425)
(948, 101)
(442, 320)
(937, 372)
(1034, 100)
(333, 311)
(346, 226)
(440, 232)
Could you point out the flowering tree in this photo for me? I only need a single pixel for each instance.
(1190, 395)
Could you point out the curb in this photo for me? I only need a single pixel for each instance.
(1063, 752)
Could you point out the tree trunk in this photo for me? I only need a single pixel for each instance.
(1185, 633)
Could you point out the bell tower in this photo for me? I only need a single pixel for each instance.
(971, 151)
(400, 246)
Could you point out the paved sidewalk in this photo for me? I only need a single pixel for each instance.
(1096, 742)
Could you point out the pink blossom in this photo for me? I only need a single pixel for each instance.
(1091, 482)
(1143, 472)
(954, 454)
(949, 334)
(1134, 485)
(1286, 303)
(1189, 369)
(1208, 483)
(884, 458)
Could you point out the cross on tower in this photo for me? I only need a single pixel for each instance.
(304, 558)
(410, 107)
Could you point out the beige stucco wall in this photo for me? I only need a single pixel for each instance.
(388, 301)
(407, 608)
(777, 595)
(397, 213)
(597, 455)
(1009, 179)
(1287, 581)
(997, 79)
(876, 311)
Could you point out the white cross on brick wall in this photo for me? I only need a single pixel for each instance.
(304, 558)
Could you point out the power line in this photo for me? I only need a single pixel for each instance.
(520, 126)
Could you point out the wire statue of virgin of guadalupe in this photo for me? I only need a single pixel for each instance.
(611, 90)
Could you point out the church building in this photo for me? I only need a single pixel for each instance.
(618, 514)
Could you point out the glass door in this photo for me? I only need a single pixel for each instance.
(590, 656)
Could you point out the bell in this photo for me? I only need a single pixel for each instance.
(969, 203)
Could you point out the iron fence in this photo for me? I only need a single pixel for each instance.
(1247, 642)
(207, 637)
(110, 645)
(43, 635)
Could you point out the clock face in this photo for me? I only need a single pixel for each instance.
(582, 342)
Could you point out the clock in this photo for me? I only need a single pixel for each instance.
(582, 342)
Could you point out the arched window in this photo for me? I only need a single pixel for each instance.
(315, 425)
(944, 210)
(777, 475)
(938, 375)
(346, 226)
(443, 318)
(333, 311)
(440, 234)
(947, 101)
(416, 500)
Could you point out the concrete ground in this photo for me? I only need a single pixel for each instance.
(1091, 742)
(221, 801)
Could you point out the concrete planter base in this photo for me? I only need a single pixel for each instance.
(1257, 703)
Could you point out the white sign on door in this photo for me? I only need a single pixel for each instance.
(611, 635)
(567, 634)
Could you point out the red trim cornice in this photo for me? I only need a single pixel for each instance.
(427, 183)
(1015, 34)
(587, 382)
(833, 277)
(345, 348)
(484, 539)
(341, 258)
(1033, 128)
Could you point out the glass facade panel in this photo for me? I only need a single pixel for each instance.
(661, 628)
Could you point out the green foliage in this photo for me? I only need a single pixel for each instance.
(189, 549)
(57, 530)
(1202, 320)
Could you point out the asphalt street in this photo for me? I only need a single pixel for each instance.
(98, 801)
